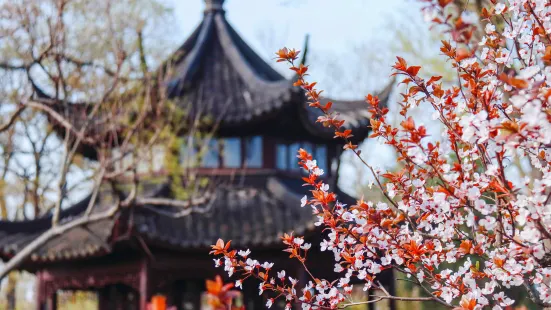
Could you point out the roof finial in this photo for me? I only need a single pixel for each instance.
(214, 5)
(305, 50)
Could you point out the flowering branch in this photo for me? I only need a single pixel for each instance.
(456, 218)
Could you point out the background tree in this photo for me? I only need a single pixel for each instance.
(84, 112)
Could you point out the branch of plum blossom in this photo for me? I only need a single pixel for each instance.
(455, 219)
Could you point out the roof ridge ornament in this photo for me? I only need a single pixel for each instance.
(214, 6)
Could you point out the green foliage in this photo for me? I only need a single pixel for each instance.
(186, 145)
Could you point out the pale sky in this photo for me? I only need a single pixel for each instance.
(331, 24)
(335, 26)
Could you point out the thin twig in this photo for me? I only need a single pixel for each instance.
(12, 119)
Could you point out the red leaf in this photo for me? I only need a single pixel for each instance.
(413, 70)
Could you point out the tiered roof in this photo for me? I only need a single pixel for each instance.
(252, 214)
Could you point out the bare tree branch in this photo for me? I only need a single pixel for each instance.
(53, 232)
(12, 119)
(58, 118)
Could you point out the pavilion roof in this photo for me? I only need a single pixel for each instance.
(216, 73)
(251, 214)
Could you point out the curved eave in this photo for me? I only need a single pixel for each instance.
(253, 89)
(253, 215)
(189, 64)
(249, 216)
(93, 240)
(75, 114)
(15, 235)
(86, 148)
(43, 222)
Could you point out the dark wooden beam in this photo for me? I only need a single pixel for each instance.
(40, 299)
(269, 153)
(144, 284)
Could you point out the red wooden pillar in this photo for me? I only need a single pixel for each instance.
(44, 300)
(145, 285)
(40, 300)
(51, 301)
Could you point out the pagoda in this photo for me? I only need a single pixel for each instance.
(140, 252)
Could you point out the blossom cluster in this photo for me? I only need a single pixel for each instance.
(459, 219)
(314, 294)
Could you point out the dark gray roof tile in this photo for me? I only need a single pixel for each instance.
(255, 214)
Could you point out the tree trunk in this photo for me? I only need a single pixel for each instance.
(10, 291)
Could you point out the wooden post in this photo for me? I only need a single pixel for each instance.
(176, 294)
(193, 288)
(51, 302)
(144, 284)
(269, 153)
(387, 280)
(44, 301)
(392, 289)
(40, 305)
(103, 298)
(10, 290)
